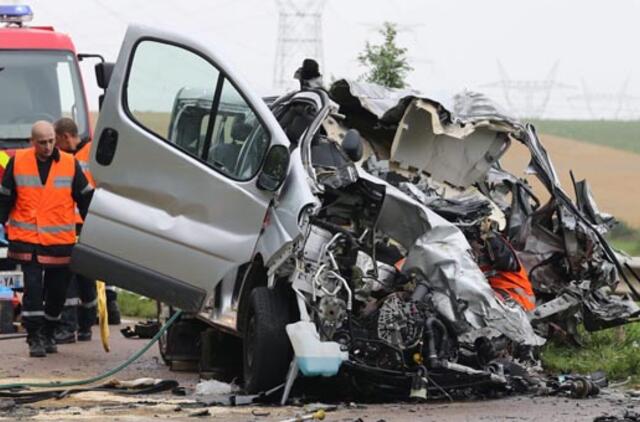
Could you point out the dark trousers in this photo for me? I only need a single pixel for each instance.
(45, 290)
(80, 309)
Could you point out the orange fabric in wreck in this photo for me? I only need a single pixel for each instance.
(516, 285)
(43, 215)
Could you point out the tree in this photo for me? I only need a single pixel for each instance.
(387, 63)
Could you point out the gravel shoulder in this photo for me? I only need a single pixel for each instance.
(88, 359)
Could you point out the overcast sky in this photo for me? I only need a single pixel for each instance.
(452, 45)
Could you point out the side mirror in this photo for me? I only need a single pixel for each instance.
(103, 74)
(352, 145)
(82, 56)
(275, 169)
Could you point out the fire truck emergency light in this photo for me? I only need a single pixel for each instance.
(17, 14)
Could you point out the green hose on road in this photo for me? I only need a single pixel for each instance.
(97, 378)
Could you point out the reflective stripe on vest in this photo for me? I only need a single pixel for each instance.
(41, 229)
(22, 180)
(20, 256)
(43, 215)
(53, 260)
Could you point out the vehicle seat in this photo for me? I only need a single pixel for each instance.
(226, 154)
(325, 153)
(295, 122)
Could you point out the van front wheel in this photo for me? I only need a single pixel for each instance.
(266, 348)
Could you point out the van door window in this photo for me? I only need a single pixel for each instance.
(239, 140)
(174, 93)
(164, 87)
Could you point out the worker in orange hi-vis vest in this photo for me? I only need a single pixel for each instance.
(68, 140)
(40, 190)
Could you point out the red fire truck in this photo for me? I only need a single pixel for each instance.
(39, 80)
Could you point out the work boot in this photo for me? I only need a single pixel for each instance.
(113, 312)
(84, 335)
(36, 346)
(49, 340)
(50, 344)
(63, 336)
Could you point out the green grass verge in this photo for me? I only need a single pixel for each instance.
(133, 305)
(626, 238)
(623, 135)
(615, 351)
(630, 246)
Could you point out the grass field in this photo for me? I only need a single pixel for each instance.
(630, 246)
(623, 135)
(133, 305)
(615, 351)
(613, 174)
(625, 238)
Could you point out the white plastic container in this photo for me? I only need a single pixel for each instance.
(314, 357)
(6, 310)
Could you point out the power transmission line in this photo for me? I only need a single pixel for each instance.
(614, 103)
(536, 93)
(299, 37)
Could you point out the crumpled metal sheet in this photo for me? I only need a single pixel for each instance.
(540, 163)
(456, 147)
(459, 153)
(602, 310)
(468, 205)
(374, 98)
(440, 251)
(556, 242)
(388, 104)
(399, 216)
(587, 205)
(447, 264)
(512, 196)
(470, 106)
(282, 223)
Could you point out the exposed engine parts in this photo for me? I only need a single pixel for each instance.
(398, 324)
(350, 271)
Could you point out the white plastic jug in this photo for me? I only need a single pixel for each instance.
(314, 357)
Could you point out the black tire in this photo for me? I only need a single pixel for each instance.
(266, 350)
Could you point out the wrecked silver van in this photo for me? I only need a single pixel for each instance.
(305, 227)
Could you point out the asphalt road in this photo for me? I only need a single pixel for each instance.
(88, 359)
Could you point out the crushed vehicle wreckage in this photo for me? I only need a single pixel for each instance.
(385, 243)
(571, 266)
(387, 270)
